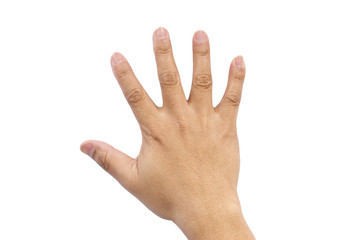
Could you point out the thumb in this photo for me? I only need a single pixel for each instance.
(118, 164)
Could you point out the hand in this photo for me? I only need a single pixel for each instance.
(188, 165)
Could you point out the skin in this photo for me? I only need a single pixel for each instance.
(188, 165)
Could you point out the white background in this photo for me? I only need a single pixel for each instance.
(299, 120)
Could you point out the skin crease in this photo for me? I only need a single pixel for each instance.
(188, 166)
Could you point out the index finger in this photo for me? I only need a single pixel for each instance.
(142, 105)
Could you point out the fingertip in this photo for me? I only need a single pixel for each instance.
(200, 36)
(160, 33)
(116, 58)
(239, 61)
(87, 147)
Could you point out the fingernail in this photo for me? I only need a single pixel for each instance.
(161, 33)
(117, 58)
(88, 149)
(201, 36)
(238, 61)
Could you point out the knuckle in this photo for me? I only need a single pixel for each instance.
(233, 98)
(134, 95)
(230, 131)
(103, 159)
(163, 49)
(168, 79)
(121, 73)
(202, 51)
(181, 125)
(239, 75)
(202, 81)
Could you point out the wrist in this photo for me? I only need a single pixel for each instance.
(222, 219)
